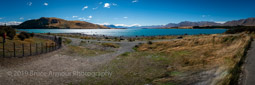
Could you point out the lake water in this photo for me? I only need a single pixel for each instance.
(129, 32)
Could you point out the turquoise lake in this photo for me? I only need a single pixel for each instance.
(129, 32)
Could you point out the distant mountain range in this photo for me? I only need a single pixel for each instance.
(49, 23)
(243, 22)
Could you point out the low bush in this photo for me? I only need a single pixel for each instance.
(32, 34)
(24, 35)
(149, 42)
(21, 37)
(10, 32)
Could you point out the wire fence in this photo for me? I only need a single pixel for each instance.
(29, 49)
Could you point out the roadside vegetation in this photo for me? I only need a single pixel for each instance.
(208, 59)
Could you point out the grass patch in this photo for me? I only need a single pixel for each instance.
(125, 54)
(67, 41)
(110, 45)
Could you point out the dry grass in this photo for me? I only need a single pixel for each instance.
(110, 45)
(178, 62)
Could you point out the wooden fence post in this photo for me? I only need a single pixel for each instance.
(14, 50)
(41, 48)
(30, 49)
(3, 50)
(46, 47)
(36, 50)
(23, 50)
(55, 46)
(52, 46)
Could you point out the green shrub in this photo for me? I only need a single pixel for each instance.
(22, 37)
(11, 32)
(2, 31)
(32, 34)
(27, 35)
(149, 42)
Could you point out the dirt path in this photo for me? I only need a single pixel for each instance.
(249, 67)
(55, 68)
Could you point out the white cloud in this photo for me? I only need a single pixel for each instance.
(114, 4)
(21, 18)
(90, 17)
(45, 4)
(105, 23)
(125, 17)
(95, 8)
(85, 7)
(134, 1)
(10, 23)
(107, 5)
(75, 16)
(29, 3)
(205, 16)
(83, 18)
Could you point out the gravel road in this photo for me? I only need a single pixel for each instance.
(249, 67)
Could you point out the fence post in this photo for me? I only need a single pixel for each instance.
(46, 47)
(41, 48)
(14, 50)
(30, 49)
(52, 46)
(36, 50)
(23, 50)
(55, 46)
(3, 50)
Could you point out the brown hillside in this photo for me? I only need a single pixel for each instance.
(50, 23)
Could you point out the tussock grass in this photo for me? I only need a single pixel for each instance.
(110, 45)
(187, 61)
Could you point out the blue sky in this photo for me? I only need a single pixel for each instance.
(127, 12)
